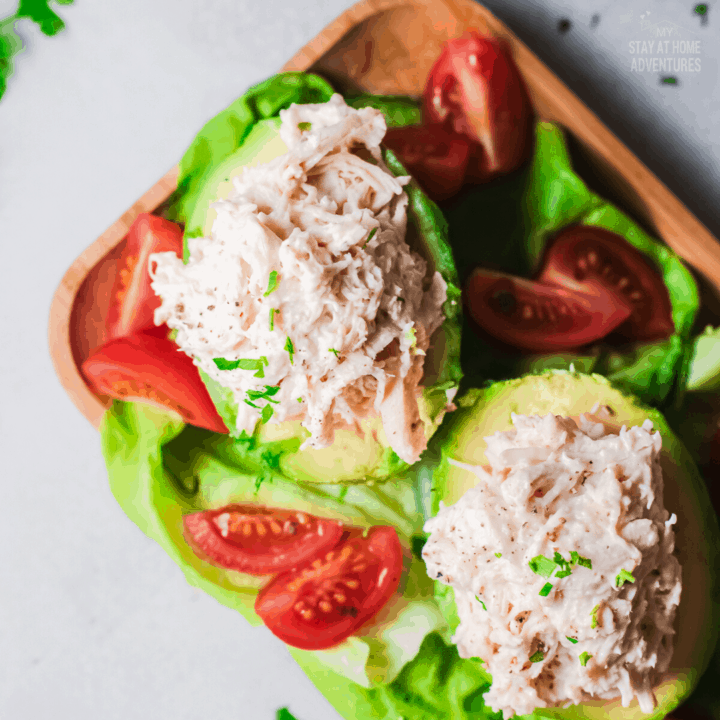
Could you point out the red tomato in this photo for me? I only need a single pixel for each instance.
(603, 264)
(133, 301)
(539, 317)
(322, 603)
(259, 540)
(435, 156)
(475, 89)
(152, 369)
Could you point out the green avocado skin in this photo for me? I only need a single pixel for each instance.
(350, 459)
(483, 412)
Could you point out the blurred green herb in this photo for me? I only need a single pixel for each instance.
(39, 11)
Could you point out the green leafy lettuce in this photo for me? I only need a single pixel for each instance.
(518, 216)
(160, 470)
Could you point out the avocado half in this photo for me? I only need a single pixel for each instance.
(484, 412)
(353, 457)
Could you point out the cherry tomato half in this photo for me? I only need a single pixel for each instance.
(435, 156)
(152, 369)
(539, 317)
(475, 89)
(259, 540)
(322, 603)
(133, 301)
(603, 264)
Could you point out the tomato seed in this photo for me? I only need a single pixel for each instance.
(339, 597)
(325, 606)
(359, 568)
(527, 312)
(300, 606)
(623, 282)
(302, 519)
(592, 258)
(307, 614)
(261, 529)
(247, 529)
(637, 295)
(330, 556)
(275, 527)
(352, 584)
(317, 564)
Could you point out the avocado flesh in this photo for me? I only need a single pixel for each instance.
(484, 412)
(354, 457)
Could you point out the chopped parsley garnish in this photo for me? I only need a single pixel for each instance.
(272, 318)
(304, 126)
(481, 602)
(498, 555)
(265, 394)
(243, 364)
(543, 566)
(623, 577)
(267, 413)
(576, 559)
(572, 640)
(272, 283)
(537, 656)
(299, 399)
(334, 352)
(584, 657)
(563, 564)
(370, 237)
(593, 621)
(290, 349)
(401, 299)
(545, 590)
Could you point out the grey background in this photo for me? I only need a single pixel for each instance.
(95, 620)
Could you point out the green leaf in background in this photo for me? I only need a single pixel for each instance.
(506, 227)
(224, 134)
(284, 714)
(704, 371)
(38, 11)
(398, 110)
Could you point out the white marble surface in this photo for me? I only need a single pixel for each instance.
(95, 620)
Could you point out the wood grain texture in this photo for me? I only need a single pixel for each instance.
(389, 46)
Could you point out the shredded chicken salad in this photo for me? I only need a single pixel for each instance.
(561, 560)
(306, 301)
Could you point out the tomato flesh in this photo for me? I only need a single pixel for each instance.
(533, 316)
(435, 156)
(475, 89)
(133, 302)
(323, 602)
(259, 540)
(603, 264)
(147, 368)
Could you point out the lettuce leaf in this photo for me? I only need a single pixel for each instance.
(160, 469)
(519, 216)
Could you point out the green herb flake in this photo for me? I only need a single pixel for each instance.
(623, 577)
(370, 237)
(543, 566)
(265, 394)
(571, 639)
(267, 413)
(701, 9)
(334, 352)
(272, 319)
(576, 559)
(299, 399)
(545, 590)
(272, 283)
(304, 126)
(290, 349)
(481, 602)
(538, 656)
(593, 621)
(498, 555)
(584, 657)
(243, 364)
(401, 299)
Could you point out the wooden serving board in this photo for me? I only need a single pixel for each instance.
(388, 47)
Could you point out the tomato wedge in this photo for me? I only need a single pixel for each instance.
(259, 540)
(133, 302)
(152, 369)
(322, 603)
(601, 263)
(534, 316)
(475, 89)
(435, 156)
